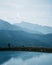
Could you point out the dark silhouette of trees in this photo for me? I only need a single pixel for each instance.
(9, 45)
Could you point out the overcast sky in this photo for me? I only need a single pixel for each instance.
(34, 11)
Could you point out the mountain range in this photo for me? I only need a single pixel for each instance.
(24, 33)
(34, 28)
(4, 25)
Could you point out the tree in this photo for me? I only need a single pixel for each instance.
(9, 45)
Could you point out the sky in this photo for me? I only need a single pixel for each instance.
(33, 11)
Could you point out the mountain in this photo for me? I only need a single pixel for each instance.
(4, 25)
(34, 28)
(27, 27)
(20, 38)
(46, 38)
(17, 35)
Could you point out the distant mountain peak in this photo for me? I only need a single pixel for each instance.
(3, 21)
(27, 23)
(23, 22)
(4, 25)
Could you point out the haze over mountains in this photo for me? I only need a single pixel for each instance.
(27, 27)
(26, 34)
(34, 28)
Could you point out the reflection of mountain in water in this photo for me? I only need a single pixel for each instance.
(27, 58)
(5, 56)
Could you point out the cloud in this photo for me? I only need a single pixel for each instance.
(45, 59)
(27, 10)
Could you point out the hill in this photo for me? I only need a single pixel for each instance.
(34, 28)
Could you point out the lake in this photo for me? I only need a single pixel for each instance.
(25, 58)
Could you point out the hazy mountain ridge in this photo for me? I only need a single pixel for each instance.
(4, 25)
(27, 27)
(35, 28)
(15, 35)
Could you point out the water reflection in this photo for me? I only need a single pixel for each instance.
(25, 58)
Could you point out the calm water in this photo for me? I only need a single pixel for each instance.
(25, 58)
